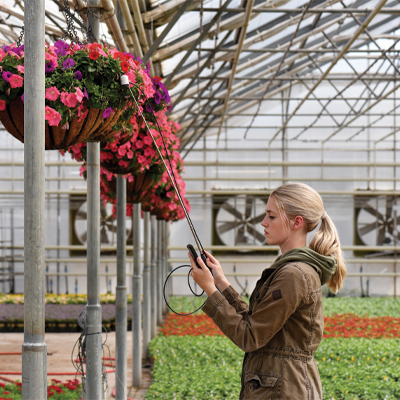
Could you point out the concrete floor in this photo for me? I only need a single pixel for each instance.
(60, 346)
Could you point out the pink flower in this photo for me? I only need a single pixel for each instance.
(148, 140)
(79, 94)
(139, 144)
(52, 93)
(124, 164)
(21, 68)
(2, 105)
(52, 116)
(16, 81)
(69, 99)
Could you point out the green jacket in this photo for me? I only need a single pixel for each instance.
(279, 331)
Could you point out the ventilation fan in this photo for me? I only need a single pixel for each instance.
(237, 220)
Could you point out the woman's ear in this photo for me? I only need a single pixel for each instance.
(298, 222)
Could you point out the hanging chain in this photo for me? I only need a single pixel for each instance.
(70, 32)
(21, 35)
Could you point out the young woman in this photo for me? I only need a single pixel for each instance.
(282, 327)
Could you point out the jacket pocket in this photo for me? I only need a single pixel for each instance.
(259, 385)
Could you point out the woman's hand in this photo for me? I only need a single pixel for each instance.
(202, 276)
(219, 278)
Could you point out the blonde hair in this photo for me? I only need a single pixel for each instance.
(297, 199)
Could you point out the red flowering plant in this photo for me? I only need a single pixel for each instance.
(79, 77)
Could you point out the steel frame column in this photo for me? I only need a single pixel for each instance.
(159, 273)
(93, 381)
(34, 348)
(136, 300)
(153, 277)
(146, 284)
(164, 260)
(121, 295)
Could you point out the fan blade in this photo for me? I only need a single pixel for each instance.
(240, 238)
(249, 206)
(257, 235)
(111, 227)
(227, 226)
(374, 212)
(110, 218)
(381, 235)
(83, 237)
(368, 228)
(103, 211)
(104, 236)
(389, 207)
(232, 210)
(257, 219)
(81, 215)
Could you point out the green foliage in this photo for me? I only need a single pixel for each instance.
(362, 306)
(199, 367)
(204, 368)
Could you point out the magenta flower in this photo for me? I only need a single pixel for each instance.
(68, 63)
(2, 105)
(23, 98)
(50, 66)
(107, 112)
(6, 75)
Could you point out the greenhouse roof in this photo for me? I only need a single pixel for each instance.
(313, 72)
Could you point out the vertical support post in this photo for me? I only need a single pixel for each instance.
(153, 277)
(159, 273)
(34, 348)
(93, 382)
(136, 300)
(164, 260)
(146, 284)
(121, 295)
(93, 307)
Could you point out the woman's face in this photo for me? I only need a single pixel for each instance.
(275, 230)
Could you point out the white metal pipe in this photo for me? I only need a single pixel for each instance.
(34, 348)
(108, 7)
(146, 284)
(136, 301)
(121, 295)
(160, 282)
(153, 275)
(131, 27)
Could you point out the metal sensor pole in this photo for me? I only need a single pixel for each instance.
(121, 295)
(136, 300)
(34, 348)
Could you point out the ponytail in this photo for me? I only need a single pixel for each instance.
(295, 199)
(326, 242)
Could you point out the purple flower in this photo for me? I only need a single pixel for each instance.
(60, 52)
(157, 97)
(6, 48)
(107, 112)
(85, 93)
(139, 59)
(23, 98)
(78, 75)
(68, 63)
(149, 108)
(6, 75)
(61, 45)
(50, 66)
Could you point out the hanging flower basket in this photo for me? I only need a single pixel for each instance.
(84, 98)
(137, 187)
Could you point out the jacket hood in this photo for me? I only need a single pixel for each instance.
(324, 265)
